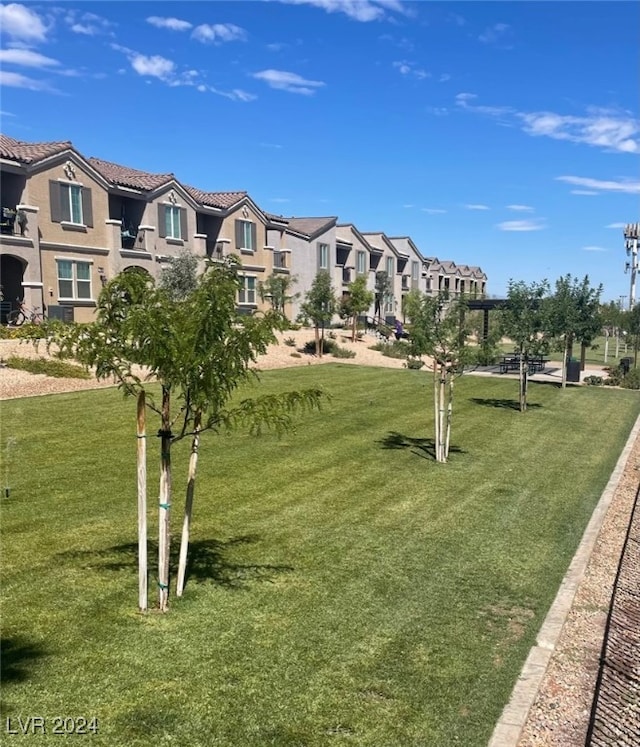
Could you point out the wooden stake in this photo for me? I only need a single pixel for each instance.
(142, 503)
(164, 501)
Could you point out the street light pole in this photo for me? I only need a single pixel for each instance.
(631, 231)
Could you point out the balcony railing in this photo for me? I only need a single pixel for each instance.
(14, 221)
(280, 261)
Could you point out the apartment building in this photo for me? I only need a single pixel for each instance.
(70, 223)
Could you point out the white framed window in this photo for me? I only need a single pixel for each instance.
(172, 223)
(361, 262)
(323, 256)
(74, 280)
(70, 204)
(390, 268)
(415, 271)
(246, 235)
(247, 291)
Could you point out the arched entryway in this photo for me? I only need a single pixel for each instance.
(11, 277)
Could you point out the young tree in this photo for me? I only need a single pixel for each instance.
(277, 290)
(523, 320)
(320, 305)
(383, 291)
(562, 316)
(438, 330)
(200, 351)
(357, 301)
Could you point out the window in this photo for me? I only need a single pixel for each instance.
(172, 228)
(70, 203)
(246, 235)
(415, 271)
(74, 280)
(172, 222)
(390, 268)
(361, 260)
(247, 291)
(323, 256)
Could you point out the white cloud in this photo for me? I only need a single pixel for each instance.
(87, 24)
(21, 23)
(616, 225)
(291, 82)
(521, 225)
(154, 66)
(270, 145)
(475, 206)
(408, 206)
(583, 192)
(173, 24)
(433, 211)
(609, 129)
(279, 199)
(494, 33)
(358, 10)
(218, 33)
(602, 128)
(594, 249)
(628, 186)
(16, 80)
(521, 208)
(408, 68)
(444, 78)
(26, 58)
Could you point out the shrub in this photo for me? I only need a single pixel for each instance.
(290, 342)
(414, 363)
(327, 345)
(296, 355)
(339, 352)
(396, 349)
(26, 330)
(593, 380)
(332, 335)
(631, 380)
(57, 369)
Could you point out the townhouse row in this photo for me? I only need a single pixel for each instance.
(70, 223)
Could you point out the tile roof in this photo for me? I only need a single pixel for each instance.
(309, 226)
(221, 200)
(18, 150)
(125, 176)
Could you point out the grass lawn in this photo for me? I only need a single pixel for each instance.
(344, 588)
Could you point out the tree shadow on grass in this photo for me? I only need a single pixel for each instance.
(208, 561)
(422, 447)
(17, 654)
(505, 404)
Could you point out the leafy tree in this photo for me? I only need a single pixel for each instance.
(200, 351)
(277, 290)
(179, 278)
(563, 318)
(383, 291)
(357, 301)
(632, 323)
(523, 320)
(611, 315)
(589, 319)
(320, 305)
(438, 330)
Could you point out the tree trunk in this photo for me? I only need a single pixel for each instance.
(436, 409)
(565, 358)
(606, 347)
(583, 355)
(617, 343)
(188, 507)
(164, 502)
(318, 348)
(355, 327)
(142, 503)
(447, 442)
(523, 384)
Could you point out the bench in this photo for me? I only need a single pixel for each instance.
(535, 364)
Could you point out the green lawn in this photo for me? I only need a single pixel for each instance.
(345, 589)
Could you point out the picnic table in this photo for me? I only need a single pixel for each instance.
(534, 363)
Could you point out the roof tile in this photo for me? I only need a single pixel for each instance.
(125, 176)
(221, 200)
(18, 150)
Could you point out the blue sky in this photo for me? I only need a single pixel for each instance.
(502, 134)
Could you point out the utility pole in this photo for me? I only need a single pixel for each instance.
(631, 231)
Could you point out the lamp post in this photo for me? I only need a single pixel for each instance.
(631, 231)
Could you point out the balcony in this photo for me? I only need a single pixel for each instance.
(346, 275)
(406, 282)
(281, 260)
(14, 221)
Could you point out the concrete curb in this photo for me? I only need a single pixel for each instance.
(511, 723)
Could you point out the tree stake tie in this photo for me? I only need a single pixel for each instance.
(164, 434)
(162, 586)
(166, 506)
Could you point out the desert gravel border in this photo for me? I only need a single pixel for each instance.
(551, 702)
